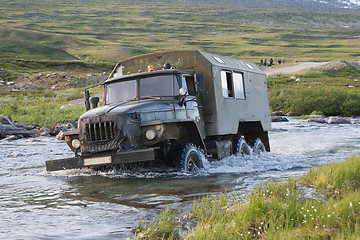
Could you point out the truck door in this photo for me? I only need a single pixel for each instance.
(193, 104)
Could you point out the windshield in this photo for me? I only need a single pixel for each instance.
(120, 91)
(154, 86)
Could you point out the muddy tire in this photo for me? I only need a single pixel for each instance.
(259, 147)
(241, 147)
(189, 159)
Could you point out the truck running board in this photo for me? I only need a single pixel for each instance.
(111, 159)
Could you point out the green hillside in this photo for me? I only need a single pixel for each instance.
(111, 30)
(90, 36)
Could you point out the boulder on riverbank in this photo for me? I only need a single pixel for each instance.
(10, 131)
(279, 119)
(317, 120)
(14, 130)
(339, 120)
(332, 120)
(279, 116)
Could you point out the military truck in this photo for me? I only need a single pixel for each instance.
(173, 107)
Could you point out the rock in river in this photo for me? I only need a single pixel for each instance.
(279, 119)
(339, 120)
(10, 131)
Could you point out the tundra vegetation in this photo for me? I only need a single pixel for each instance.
(333, 92)
(273, 210)
(95, 30)
(41, 107)
(91, 36)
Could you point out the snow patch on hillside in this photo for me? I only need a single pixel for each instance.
(341, 3)
(356, 2)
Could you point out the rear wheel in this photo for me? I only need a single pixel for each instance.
(259, 147)
(242, 148)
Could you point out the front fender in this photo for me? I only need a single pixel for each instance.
(184, 131)
(71, 135)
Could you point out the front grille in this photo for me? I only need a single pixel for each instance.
(101, 131)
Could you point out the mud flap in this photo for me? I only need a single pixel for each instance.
(118, 158)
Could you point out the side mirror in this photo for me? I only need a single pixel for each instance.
(87, 102)
(94, 101)
(182, 93)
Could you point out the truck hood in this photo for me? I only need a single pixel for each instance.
(140, 106)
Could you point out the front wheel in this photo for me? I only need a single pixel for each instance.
(190, 159)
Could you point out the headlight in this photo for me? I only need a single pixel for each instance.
(150, 135)
(76, 143)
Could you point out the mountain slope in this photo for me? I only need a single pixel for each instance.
(112, 30)
(319, 5)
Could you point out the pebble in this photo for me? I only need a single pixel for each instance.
(15, 154)
(34, 140)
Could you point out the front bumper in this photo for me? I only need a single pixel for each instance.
(102, 160)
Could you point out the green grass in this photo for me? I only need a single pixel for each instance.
(91, 36)
(79, 67)
(327, 91)
(41, 107)
(273, 210)
(12, 67)
(112, 30)
(336, 179)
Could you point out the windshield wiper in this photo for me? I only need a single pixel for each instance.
(149, 98)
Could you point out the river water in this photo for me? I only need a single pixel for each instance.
(83, 204)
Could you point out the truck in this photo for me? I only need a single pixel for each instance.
(174, 107)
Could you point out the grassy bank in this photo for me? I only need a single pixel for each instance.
(273, 210)
(41, 107)
(330, 92)
(12, 67)
(333, 92)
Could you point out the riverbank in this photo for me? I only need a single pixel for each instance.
(332, 90)
(15, 130)
(323, 204)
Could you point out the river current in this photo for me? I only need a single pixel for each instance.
(84, 204)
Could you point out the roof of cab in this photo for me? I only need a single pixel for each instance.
(184, 60)
(140, 74)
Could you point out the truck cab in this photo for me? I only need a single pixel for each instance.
(175, 107)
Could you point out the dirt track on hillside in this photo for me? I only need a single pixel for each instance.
(294, 68)
(302, 67)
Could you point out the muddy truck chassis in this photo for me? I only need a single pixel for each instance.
(173, 107)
